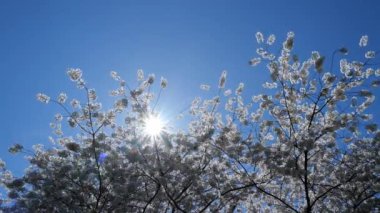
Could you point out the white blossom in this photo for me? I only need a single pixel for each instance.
(114, 75)
(240, 88)
(259, 37)
(163, 83)
(328, 79)
(271, 39)
(369, 72)
(269, 137)
(51, 140)
(205, 87)
(81, 83)
(256, 98)
(140, 75)
(270, 85)
(121, 104)
(2, 164)
(75, 103)
(58, 117)
(62, 97)
(288, 43)
(310, 128)
(150, 79)
(43, 98)
(222, 79)
(370, 54)
(75, 74)
(255, 61)
(315, 55)
(363, 41)
(92, 94)
(227, 92)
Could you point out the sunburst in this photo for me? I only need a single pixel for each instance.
(153, 126)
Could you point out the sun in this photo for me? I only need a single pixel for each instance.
(153, 126)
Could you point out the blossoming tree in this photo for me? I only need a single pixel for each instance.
(306, 145)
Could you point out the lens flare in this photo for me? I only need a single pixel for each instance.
(153, 126)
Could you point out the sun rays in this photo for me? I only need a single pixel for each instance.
(153, 126)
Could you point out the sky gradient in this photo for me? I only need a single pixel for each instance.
(187, 42)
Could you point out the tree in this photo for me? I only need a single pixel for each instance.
(306, 145)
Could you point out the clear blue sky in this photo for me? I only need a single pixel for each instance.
(188, 42)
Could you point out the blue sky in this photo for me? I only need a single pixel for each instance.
(188, 42)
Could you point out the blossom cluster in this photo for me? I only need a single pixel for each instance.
(306, 144)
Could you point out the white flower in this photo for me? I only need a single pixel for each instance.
(328, 79)
(256, 98)
(268, 85)
(164, 83)
(81, 83)
(268, 137)
(229, 104)
(43, 98)
(271, 39)
(62, 97)
(110, 116)
(151, 78)
(363, 41)
(256, 116)
(377, 72)
(194, 104)
(344, 66)
(114, 93)
(354, 102)
(261, 51)
(222, 79)
(2, 164)
(38, 147)
(57, 128)
(269, 56)
(288, 43)
(115, 76)
(74, 73)
(58, 117)
(121, 104)
(75, 103)
(239, 89)
(227, 92)
(290, 34)
(7, 175)
(369, 72)
(51, 140)
(140, 75)
(315, 55)
(254, 61)
(370, 54)
(205, 87)
(92, 94)
(259, 37)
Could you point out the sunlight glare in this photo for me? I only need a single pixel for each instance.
(153, 126)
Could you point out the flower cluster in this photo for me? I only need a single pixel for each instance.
(308, 144)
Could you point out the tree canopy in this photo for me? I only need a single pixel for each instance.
(307, 144)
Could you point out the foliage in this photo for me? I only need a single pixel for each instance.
(305, 145)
